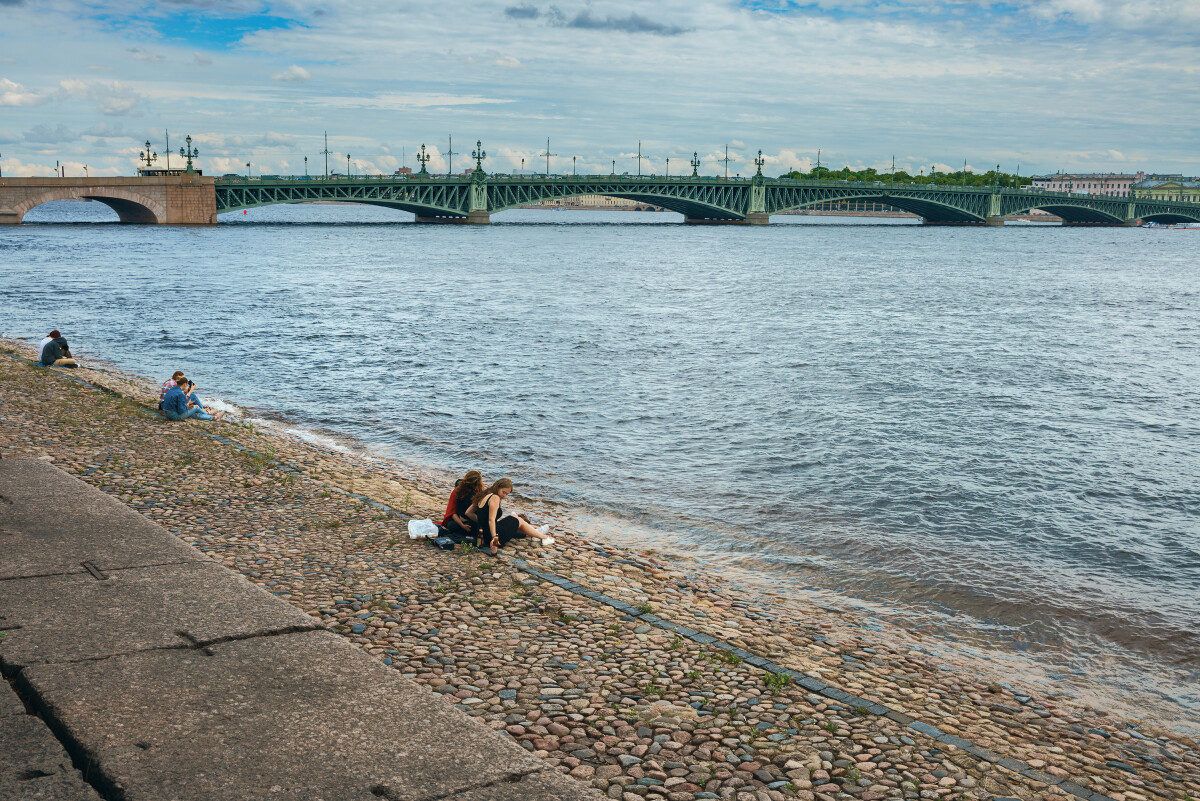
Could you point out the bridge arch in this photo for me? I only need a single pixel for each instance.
(131, 207)
(1168, 217)
(929, 209)
(693, 201)
(1068, 211)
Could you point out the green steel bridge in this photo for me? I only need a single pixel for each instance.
(475, 197)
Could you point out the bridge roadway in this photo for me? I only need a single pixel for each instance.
(197, 200)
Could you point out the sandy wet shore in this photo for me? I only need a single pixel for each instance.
(602, 695)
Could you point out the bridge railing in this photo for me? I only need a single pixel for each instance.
(673, 179)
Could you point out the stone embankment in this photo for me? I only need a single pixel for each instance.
(532, 644)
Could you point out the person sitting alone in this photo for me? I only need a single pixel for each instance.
(497, 528)
(176, 404)
(56, 353)
(460, 517)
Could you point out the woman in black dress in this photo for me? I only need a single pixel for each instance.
(500, 529)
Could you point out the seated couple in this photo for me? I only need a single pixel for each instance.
(54, 352)
(476, 511)
(179, 401)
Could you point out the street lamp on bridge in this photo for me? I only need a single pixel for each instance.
(695, 164)
(148, 156)
(423, 159)
(759, 162)
(479, 154)
(348, 165)
(668, 166)
(190, 153)
(306, 168)
(247, 171)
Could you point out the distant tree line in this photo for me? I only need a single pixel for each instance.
(958, 178)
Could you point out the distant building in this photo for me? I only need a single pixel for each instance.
(1112, 184)
(403, 171)
(592, 202)
(1172, 187)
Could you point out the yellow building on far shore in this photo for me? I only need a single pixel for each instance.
(1170, 188)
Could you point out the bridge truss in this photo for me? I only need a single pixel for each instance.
(699, 199)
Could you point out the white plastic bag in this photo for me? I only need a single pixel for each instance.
(421, 528)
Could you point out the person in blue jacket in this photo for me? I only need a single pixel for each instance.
(177, 406)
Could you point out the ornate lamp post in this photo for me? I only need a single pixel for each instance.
(614, 171)
(759, 162)
(479, 154)
(695, 164)
(573, 172)
(668, 166)
(423, 159)
(348, 165)
(306, 167)
(247, 171)
(148, 156)
(190, 153)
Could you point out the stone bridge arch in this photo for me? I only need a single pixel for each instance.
(130, 206)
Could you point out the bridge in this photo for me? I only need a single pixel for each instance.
(197, 200)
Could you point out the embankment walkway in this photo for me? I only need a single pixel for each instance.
(141, 669)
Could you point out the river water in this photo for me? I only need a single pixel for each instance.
(993, 432)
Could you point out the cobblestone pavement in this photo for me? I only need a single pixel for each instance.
(638, 711)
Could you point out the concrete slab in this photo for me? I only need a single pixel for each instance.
(10, 704)
(59, 787)
(298, 716)
(51, 522)
(28, 747)
(33, 764)
(547, 784)
(68, 618)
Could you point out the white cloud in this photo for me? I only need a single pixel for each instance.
(508, 61)
(293, 74)
(14, 94)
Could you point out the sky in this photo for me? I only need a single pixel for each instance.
(1034, 85)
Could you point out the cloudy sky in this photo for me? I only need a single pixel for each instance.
(1107, 85)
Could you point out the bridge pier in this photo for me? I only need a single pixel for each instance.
(719, 221)
(994, 219)
(475, 217)
(758, 218)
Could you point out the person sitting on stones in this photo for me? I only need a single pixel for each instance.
(56, 353)
(168, 385)
(178, 406)
(53, 335)
(498, 529)
(460, 518)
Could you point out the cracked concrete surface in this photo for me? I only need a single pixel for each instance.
(167, 676)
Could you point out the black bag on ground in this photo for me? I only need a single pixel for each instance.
(445, 543)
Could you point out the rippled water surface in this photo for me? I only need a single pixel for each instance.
(999, 427)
